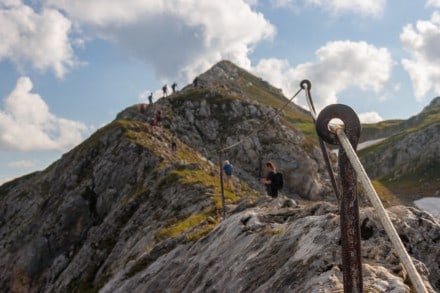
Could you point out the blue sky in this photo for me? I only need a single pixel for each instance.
(68, 67)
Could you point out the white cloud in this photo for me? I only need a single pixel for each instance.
(433, 3)
(40, 40)
(370, 117)
(283, 3)
(340, 65)
(22, 164)
(251, 2)
(422, 41)
(373, 8)
(178, 38)
(26, 123)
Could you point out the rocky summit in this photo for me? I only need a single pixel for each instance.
(124, 212)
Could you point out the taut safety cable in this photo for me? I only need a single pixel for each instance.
(307, 85)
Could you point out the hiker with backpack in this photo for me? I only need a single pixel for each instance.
(228, 168)
(173, 87)
(273, 180)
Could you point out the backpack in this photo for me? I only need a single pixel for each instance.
(228, 169)
(278, 181)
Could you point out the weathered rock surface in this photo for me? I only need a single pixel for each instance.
(408, 159)
(287, 250)
(415, 155)
(72, 226)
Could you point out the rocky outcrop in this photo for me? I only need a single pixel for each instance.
(408, 160)
(72, 226)
(411, 158)
(230, 105)
(208, 126)
(287, 250)
(405, 155)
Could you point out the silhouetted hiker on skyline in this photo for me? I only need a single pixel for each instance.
(150, 98)
(165, 90)
(173, 87)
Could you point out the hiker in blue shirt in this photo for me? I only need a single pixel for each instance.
(228, 168)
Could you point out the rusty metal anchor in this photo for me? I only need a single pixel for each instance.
(348, 205)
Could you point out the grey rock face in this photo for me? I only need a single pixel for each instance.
(209, 125)
(69, 225)
(288, 250)
(405, 155)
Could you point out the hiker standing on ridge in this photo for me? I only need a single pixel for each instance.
(271, 181)
(173, 143)
(158, 117)
(150, 98)
(165, 90)
(228, 168)
(173, 87)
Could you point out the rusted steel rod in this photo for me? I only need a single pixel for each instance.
(348, 205)
(416, 280)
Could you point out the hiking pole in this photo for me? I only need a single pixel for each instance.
(348, 204)
(221, 184)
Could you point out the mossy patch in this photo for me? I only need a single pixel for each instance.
(387, 197)
(180, 226)
(422, 181)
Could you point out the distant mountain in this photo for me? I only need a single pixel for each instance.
(123, 212)
(408, 160)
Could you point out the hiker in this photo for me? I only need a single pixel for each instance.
(228, 168)
(165, 90)
(270, 181)
(158, 117)
(142, 108)
(173, 144)
(173, 87)
(150, 98)
(148, 124)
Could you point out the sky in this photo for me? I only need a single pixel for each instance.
(67, 67)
